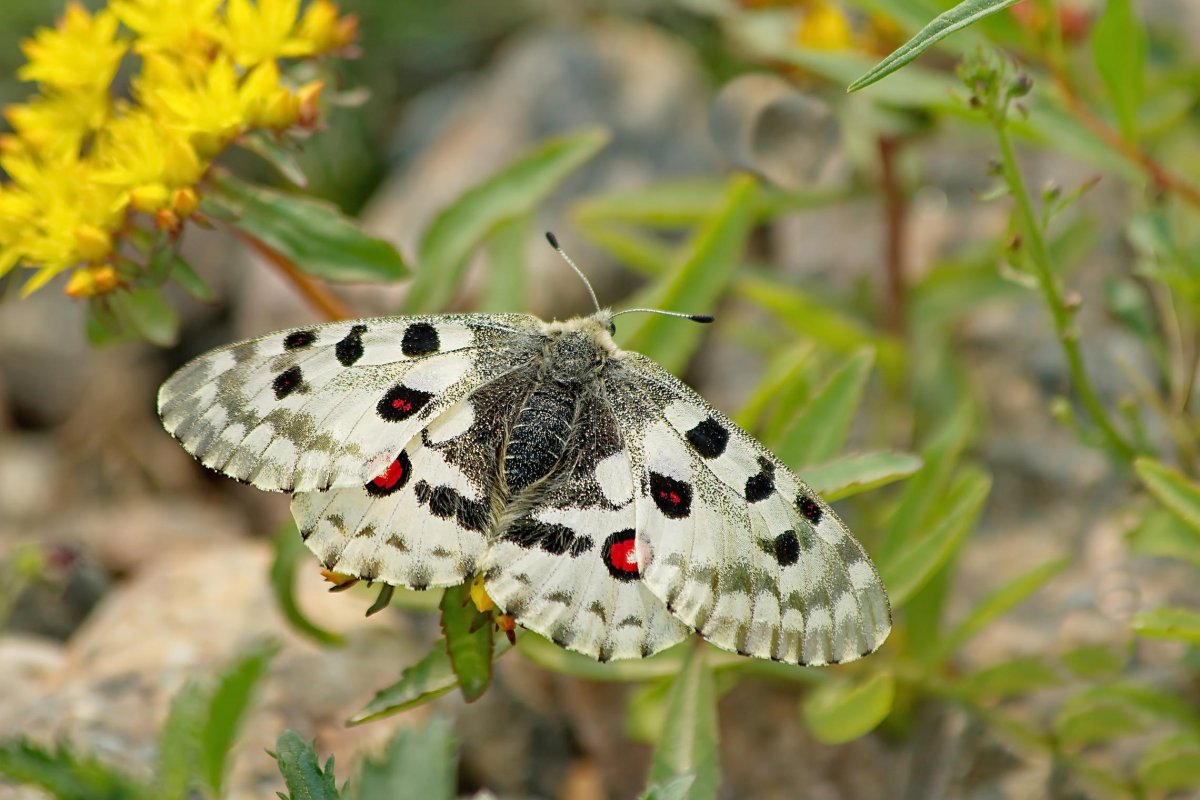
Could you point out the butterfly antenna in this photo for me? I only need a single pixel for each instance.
(705, 318)
(553, 240)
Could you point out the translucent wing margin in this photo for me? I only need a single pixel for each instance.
(735, 544)
(332, 405)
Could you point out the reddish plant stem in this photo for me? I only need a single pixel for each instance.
(317, 295)
(895, 210)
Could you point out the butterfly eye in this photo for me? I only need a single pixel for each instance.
(612, 328)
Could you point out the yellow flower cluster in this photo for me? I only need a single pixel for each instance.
(82, 157)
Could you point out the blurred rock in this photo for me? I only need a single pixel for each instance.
(186, 618)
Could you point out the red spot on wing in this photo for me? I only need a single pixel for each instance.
(390, 476)
(624, 555)
(401, 405)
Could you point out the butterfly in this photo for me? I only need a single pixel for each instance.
(605, 504)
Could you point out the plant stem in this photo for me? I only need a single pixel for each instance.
(896, 232)
(1062, 315)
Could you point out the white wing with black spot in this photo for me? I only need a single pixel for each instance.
(735, 544)
(332, 405)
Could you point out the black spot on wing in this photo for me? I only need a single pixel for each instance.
(673, 497)
(297, 340)
(447, 503)
(761, 486)
(401, 402)
(350, 349)
(287, 382)
(420, 339)
(787, 548)
(554, 539)
(708, 438)
(808, 508)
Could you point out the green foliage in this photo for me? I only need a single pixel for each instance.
(688, 744)
(194, 745)
(841, 711)
(468, 635)
(289, 554)
(302, 772)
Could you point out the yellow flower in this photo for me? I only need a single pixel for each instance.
(80, 54)
(479, 595)
(322, 30)
(178, 27)
(58, 122)
(824, 27)
(91, 281)
(207, 106)
(138, 153)
(257, 32)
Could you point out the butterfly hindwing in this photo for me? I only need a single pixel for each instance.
(332, 405)
(736, 545)
(566, 566)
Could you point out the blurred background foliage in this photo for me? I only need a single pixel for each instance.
(960, 301)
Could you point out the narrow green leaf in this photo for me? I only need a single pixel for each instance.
(470, 651)
(646, 711)
(515, 190)
(289, 552)
(962, 15)
(1119, 49)
(312, 234)
(1085, 720)
(695, 284)
(1019, 676)
(689, 740)
(644, 254)
(1093, 661)
(1172, 489)
(913, 565)
(280, 154)
(418, 764)
(191, 281)
(550, 656)
(180, 743)
(148, 314)
(855, 474)
(430, 677)
(776, 391)
(302, 771)
(676, 789)
(1171, 765)
(925, 491)
(841, 711)
(64, 774)
(819, 431)
(1163, 534)
(228, 709)
(506, 278)
(669, 204)
(1180, 624)
(102, 325)
(1000, 602)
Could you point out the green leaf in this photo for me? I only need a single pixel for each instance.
(855, 474)
(841, 711)
(302, 771)
(1093, 661)
(924, 493)
(227, 711)
(180, 742)
(311, 233)
(550, 656)
(1171, 765)
(1000, 602)
(646, 711)
(1086, 719)
(962, 15)
(506, 279)
(695, 284)
(1013, 678)
(689, 739)
(668, 204)
(1119, 49)
(470, 650)
(1179, 624)
(280, 154)
(914, 564)
(819, 431)
(289, 552)
(147, 313)
(644, 254)
(777, 392)
(1172, 489)
(191, 281)
(676, 789)
(63, 774)
(418, 764)
(1163, 534)
(514, 191)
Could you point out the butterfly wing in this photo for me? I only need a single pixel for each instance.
(565, 566)
(735, 544)
(332, 405)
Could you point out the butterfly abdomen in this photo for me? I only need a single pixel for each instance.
(540, 432)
